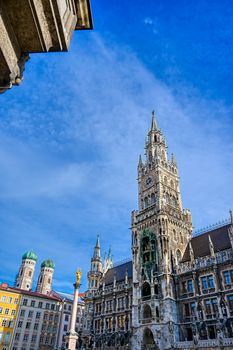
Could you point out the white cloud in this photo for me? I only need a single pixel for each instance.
(75, 164)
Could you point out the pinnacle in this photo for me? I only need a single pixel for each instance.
(97, 242)
(153, 122)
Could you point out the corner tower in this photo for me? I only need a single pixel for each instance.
(160, 232)
(95, 273)
(25, 275)
(45, 279)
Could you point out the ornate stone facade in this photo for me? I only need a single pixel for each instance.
(108, 303)
(181, 284)
(32, 26)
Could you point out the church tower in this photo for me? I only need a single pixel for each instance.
(160, 232)
(95, 273)
(44, 283)
(24, 278)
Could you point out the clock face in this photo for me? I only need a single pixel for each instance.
(148, 181)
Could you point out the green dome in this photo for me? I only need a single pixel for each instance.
(29, 255)
(48, 263)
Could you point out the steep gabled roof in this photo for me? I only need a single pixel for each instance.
(200, 244)
(119, 271)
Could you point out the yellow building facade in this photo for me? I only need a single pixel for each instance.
(9, 305)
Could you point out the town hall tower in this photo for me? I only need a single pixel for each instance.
(160, 232)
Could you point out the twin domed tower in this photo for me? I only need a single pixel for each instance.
(24, 278)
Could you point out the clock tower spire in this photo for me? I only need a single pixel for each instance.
(160, 232)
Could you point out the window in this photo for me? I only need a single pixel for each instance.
(10, 324)
(52, 306)
(230, 302)
(6, 311)
(28, 325)
(25, 337)
(65, 328)
(22, 313)
(211, 307)
(25, 301)
(47, 306)
(69, 307)
(40, 304)
(3, 298)
(50, 317)
(4, 323)
(9, 300)
(228, 278)
(13, 312)
(212, 332)
(36, 325)
(33, 303)
(20, 323)
(1, 309)
(38, 315)
(7, 337)
(16, 301)
(66, 317)
(45, 316)
(189, 309)
(207, 282)
(190, 286)
(30, 314)
(17, 336)
(33, 338)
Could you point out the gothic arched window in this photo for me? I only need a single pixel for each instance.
(146, 290)
(147, 312)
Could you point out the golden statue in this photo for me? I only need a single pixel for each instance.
(78, 276)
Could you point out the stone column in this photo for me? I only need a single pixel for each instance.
(72, 336)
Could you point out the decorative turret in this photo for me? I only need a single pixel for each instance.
(95, 272)
(44, 284)
(25, 275)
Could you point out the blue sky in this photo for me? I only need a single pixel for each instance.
(71, 134)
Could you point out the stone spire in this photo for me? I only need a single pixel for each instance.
(95, 273)
(153, 122)
(96, 254)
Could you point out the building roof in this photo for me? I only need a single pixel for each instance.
(70, 297)
(119, 271)
(51, 296)
(200, 244)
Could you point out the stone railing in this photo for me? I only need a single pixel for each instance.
(200, 263)
(209, 343)
(184, 345)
